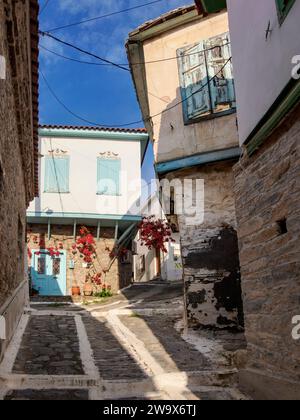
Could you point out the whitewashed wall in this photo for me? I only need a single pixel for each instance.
(262, 68)
(171, 263)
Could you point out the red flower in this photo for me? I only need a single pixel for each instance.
(155, 233)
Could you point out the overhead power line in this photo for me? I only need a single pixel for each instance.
(84, 51)
(135, 122)
(103, 16)
(44, 7)
(78, 116)
(73, 59)
(132, 64)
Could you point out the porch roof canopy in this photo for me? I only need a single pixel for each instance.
(121, 223)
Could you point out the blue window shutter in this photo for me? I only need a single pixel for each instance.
(222, 86)
(108, 176)
(57, 174)
(193, 80)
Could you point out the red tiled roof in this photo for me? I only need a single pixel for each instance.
(95, 128)
(163, 18)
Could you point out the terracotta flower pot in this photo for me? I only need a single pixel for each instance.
(87, 290)
(76, 291)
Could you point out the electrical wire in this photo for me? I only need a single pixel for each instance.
(118, 64)
(78, 116)
(140, 121)
(103, 16)
(73, 59)
(84, 51)
(44, 7)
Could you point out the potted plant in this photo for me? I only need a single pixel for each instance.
(76, 291)
(88, 287)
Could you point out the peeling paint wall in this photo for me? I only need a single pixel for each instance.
(174, 139)
(210, 253)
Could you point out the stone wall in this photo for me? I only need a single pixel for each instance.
(210, 252)
(118, 276)
(267, 192)
(16, 157)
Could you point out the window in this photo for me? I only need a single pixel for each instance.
(57, 174)
(108, 176)
(283, 7)
(41, 265)
(56, 266)
(207, 84)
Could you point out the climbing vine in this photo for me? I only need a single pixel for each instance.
(155, 233)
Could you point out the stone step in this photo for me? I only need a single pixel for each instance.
(222, 378)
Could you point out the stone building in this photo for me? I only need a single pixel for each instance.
(89, 177)
(18, 153)
(267, 190)
(186, 93)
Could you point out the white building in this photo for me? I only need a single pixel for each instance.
(150, 265)
(88, 176)
(270, 31)
(266, 56)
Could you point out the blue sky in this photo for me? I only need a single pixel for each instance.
(101, 94)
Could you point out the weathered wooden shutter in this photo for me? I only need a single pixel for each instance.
(193, 80)
(57, 174)
(108, 176)
(218, 52)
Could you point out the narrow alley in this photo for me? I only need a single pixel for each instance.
(149, 202)
(129, 348)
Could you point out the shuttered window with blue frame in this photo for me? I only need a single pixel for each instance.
(108, 176)
(207, 84)
(57, 174)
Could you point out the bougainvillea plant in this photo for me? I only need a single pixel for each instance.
(118, 252)
(85, 244)
(85, 247)
(97, 279)
(155, 233)
(53, 252)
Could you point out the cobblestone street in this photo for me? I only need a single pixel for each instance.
(130, 347)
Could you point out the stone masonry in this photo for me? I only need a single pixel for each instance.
(18, 21)
(210, 252)
(118, 275)
(267, 192)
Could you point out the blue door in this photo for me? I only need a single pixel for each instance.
(49, 273)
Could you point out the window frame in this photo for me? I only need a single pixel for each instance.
(208, 116)
(282, 15)
(47, 158)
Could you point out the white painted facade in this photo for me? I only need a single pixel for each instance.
(171, 262)
(260, 80)
(82, 197)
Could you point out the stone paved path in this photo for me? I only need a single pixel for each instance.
(125, 349)
(49, 346)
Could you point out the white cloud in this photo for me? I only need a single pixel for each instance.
(93, 36)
